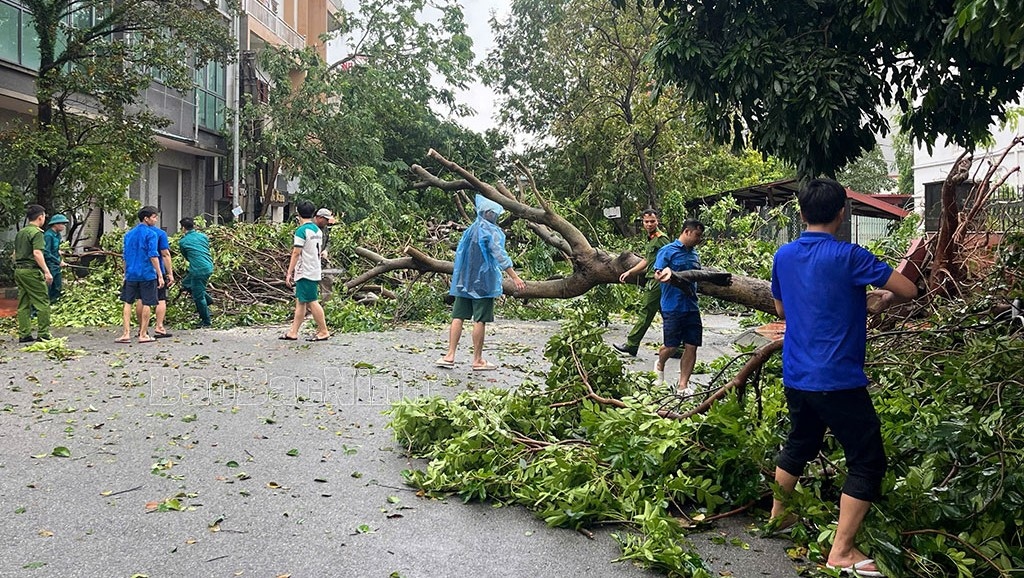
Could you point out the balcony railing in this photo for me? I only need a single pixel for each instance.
(274, 23)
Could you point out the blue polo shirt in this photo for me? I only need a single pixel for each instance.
(162, 244)
(822, 284)
(678, 257)
(140, 244)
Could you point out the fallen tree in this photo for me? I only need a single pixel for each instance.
(591, 266)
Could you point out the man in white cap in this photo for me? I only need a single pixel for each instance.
(324, 218)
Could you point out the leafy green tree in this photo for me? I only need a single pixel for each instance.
(904, 153)
(867, 174)
(574, 74)
(808, 81)
(90, 131)
(350, 129)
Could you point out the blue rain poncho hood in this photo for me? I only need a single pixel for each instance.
(480, 257)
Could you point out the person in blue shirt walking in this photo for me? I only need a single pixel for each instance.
(820, 288)
(476, 281)
(51, 253)
(142, 274)
(679, 310)
(195, 248)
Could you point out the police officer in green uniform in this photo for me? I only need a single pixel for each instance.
(32, 276)
(652, 294)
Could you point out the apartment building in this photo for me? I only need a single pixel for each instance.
(192, 175)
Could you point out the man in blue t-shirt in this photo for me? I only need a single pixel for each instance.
(142, 274)
(679, 311)
(163, 246)
(819, 285)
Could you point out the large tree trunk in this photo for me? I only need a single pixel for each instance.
(945, 271)
(590, 266)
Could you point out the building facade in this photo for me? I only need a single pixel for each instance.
(931, 169)
(192, 174)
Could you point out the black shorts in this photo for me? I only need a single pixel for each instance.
(144, 290)
(848, 413)
(682, 328)
(161, 293)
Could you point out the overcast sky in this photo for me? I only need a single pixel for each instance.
(478, 97)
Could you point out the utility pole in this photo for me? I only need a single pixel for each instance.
(235, 114)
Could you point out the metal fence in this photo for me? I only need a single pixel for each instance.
(1005, 211)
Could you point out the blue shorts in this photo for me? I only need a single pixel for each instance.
(144, 290)
(682, 327)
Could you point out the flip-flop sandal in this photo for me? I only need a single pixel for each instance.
(288, 338)
(485, 367)
(857, 569)
(150, 340)
(123, 340)
(318, 338)
(445, 364)
(162, 335)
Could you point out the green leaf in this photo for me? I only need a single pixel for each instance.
(61, 452)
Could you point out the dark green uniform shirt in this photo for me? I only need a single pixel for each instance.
(28, 240)
(654, 244)
(51, 251)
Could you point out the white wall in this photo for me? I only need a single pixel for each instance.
(934, 167)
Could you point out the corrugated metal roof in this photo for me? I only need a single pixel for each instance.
(780, 192)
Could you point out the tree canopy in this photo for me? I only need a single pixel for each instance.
(808, 81)
(574, 75)
(90, 131)
(350, 129)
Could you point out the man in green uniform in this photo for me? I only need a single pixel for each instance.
(195, 247)
(652, 294)
(31, 275)
(51, 253)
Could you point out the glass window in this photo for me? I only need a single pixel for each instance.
(211, 96)
(9, 27)
(82, 16)
(29, 43)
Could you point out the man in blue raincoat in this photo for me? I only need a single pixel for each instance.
(476, 281)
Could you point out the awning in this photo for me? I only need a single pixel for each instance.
(780, 192)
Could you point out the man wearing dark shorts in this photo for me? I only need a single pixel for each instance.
(679, 309)
(476, 281)
(142, 274)
(820, 289)
(163, 245)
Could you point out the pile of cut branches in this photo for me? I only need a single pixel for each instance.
(595, 445)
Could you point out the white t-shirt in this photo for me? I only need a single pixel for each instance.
(309, 237)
